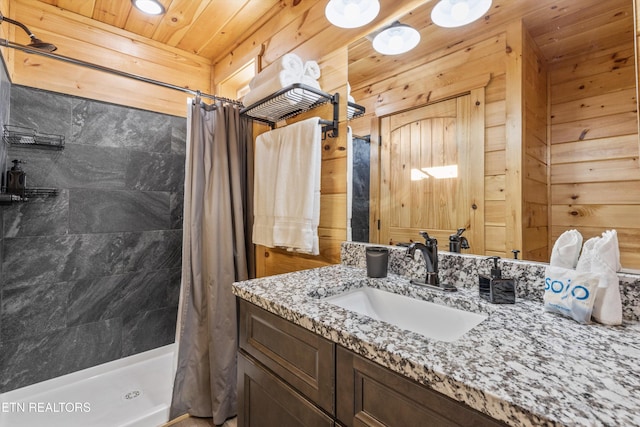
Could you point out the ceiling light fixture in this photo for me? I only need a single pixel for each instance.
(395, 39)
(351, 13)
(150, 7)
(456, 13)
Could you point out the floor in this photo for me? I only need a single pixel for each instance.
(186, 421)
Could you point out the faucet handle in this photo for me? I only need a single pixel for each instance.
(410, 251)
(429, 241)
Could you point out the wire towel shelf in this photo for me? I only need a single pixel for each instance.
(291, 101)
(354, 110)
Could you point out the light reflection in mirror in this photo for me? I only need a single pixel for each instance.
(441, 172)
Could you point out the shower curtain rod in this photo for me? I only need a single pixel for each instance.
(197, 93)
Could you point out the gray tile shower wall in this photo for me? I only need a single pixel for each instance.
(93, 274)
(360, 199)
(5, 96)
(5, 93)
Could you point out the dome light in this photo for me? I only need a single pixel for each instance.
(456, 13)
(351, 13)
(150, 7)
(396, 39)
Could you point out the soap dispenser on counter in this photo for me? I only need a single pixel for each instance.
(495, 288)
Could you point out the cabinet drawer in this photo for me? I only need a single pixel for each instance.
(301, 358)
(266, 401)
(371, 395)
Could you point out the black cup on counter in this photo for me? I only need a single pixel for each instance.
(377, 261)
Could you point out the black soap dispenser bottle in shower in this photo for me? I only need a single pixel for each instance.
(16, 179)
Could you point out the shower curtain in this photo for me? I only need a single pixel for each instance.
(216, 251)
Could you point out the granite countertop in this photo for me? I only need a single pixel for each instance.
(521, 365)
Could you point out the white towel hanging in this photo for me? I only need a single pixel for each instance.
(289, 186)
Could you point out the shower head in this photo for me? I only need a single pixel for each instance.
(35, 43)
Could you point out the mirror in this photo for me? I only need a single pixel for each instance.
(360, 187)
(581, 157)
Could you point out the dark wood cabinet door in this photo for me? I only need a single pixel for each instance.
(371, 395)
(301, 358)
(266, 401)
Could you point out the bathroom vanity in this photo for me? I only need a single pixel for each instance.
(305, 361)
(290, 376)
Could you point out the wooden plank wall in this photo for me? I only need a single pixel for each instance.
(307, 33)
(595, 174)
(449, 72)
(82, 38)
(636, 27)
(303, 30)
(535, 200)
(6, 32)
(332, 230)
(495, 189)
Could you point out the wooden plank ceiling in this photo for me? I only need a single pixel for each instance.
(213, 28)
(208, 28)
(561, 28)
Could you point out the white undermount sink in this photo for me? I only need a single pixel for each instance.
(435, 321)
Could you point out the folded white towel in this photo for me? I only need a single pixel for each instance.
(566, 249)
(267, 152)
(611, 249)
(310, 81)
(586, 257)
(297, 194)
(606, 262)
(281, 80)
(308, 95)
(312, 69)
(287, 70)
(349, 97)
(287, 62)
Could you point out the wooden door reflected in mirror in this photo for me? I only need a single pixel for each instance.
(428, 172)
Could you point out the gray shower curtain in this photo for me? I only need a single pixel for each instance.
(216, 251)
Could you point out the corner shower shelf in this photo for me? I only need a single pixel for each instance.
(41, 192)
(27, 137)
(19, 136)
(8, 198)
(354, 110)
(291, 101)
